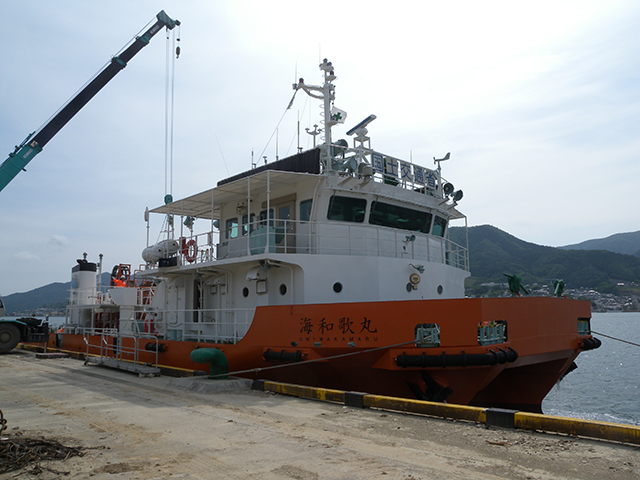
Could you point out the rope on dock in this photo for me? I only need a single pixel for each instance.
(19, 451)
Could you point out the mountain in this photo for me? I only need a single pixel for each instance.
(54, 296)
(493, 253)
(627, 243)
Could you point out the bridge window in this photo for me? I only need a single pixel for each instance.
(263, 217)
(232, 228)
(439, 226)
(395, 216)
(346, 209)
(305, 210)
(247, 228)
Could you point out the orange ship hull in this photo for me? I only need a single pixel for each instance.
(371, 347)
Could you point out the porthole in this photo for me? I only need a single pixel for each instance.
(409, 287)
(245, 292)
(283, 289)
(440, 289)
(337, 287)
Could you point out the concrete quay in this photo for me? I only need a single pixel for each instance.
(196, 428)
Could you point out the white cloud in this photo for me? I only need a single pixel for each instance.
(58, 241)
(27, 257)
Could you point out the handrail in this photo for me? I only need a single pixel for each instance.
(120, 350)
(219, 325)
(401, 173)
(325, 238)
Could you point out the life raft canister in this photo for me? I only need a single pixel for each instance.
(189, 249)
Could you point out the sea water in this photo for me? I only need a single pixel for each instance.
(606, 384)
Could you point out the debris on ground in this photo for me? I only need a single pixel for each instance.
(23, 452)
(19, 451)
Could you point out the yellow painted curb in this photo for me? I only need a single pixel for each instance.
(489, 416)
(576, 426)
(436, 409)
(324, 394)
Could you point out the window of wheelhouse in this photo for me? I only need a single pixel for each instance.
(263, 217)
(232, 228)
(305, 210)
(346, 209)
(247, 224)
(439, 226)
(395, 216)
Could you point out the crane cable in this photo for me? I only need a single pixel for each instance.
(169, 107)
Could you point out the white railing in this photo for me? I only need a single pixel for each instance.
(219, 325)
(110, 344)
(386, 169)
(314, 238)
(101, 296)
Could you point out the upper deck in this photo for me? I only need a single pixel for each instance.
(297, 206)
(335, 199)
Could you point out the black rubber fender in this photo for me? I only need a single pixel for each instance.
(443, 360)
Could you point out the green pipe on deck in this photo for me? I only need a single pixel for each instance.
(218, 364)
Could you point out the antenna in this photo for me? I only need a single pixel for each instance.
(298, 133)
(362, 124)
(438, 160)
(439, 170)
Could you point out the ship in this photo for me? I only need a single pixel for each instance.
(333, 268)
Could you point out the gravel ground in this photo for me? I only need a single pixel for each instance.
(133, 427)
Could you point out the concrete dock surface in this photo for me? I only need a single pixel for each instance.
(134, 427)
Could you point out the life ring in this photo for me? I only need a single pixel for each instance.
(189, 250)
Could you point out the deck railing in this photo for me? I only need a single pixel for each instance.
(108, 342)
(315, 238)
(216, 325)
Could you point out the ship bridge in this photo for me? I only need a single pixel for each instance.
(298, 206)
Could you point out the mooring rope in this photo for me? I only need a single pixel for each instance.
(306, 362)
(618, 339)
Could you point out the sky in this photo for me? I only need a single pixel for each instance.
(538, 103)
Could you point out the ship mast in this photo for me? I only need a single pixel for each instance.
(326, 93)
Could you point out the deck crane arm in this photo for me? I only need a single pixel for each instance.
(35, 142)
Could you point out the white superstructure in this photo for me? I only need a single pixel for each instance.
(330, 225)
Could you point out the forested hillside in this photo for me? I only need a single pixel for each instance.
(493, 253)
(627, 243)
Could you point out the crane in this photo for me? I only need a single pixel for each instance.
(35, 141)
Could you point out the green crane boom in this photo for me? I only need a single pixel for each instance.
(35, 142)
